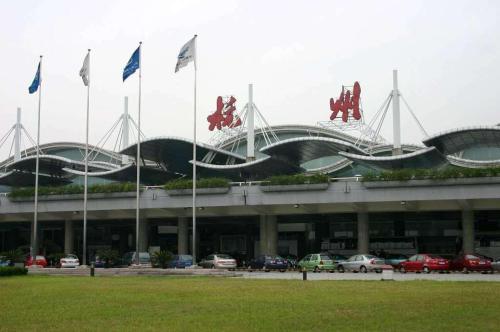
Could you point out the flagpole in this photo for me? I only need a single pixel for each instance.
(194, 157)
(85, 186)
(138, 161)
(37, 168)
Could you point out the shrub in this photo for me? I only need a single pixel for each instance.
(283, 180)
(161, 258)
(436, 174)
(109, 256)
(201, 183)
(7, 271)
(53, 259)
(73, 189)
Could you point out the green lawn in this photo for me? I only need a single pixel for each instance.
(43, 303)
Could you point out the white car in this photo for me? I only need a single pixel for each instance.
(218, 261)
(69, 261)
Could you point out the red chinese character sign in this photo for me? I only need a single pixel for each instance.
(224, 115)
(347, 102)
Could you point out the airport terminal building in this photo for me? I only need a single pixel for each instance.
(353, 212)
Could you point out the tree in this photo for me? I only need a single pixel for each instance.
(162, 258)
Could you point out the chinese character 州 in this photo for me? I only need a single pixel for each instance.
(223, 116)
(347, 102)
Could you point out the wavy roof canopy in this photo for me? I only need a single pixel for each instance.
(425, 158)
(303, 149)
(149, 175)
(50, 164)
(54, 147)
(457, 140)
(27, 179)
(174, 153)
(257, 169)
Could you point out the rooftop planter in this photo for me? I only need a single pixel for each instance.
(207, 186)
(298, 182)
(111, 190)
(423, 177)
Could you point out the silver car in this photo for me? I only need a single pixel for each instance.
(362, 263)
(218, 261)
(495, 265)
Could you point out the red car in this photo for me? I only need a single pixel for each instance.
(424, 263)
(39, 260)
(466, 263)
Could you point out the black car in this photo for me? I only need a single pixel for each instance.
(268, 263)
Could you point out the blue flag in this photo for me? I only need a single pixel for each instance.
(36, 81)
(132, 64)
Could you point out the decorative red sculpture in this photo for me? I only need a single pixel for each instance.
(347, 102)
(223, 116)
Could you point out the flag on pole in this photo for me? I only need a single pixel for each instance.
(36, 81)
(132, 64)
(187, 54)
(84, 72)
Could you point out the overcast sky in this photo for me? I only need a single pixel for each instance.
(297, 54)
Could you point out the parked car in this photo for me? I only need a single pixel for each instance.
(495, 265)
(317, 263)
(69, 261)
(218, 261)
(98, 262)
(268, 263)
(291, 261)
(39, 260)
(180, 261)
(395, 259)
(466, 263)
(424, 263)
(4, 261)
(362, 263)
(130, 258)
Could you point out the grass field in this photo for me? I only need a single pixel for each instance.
(43, 303)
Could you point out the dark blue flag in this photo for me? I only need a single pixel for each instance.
(36, 81)
(132, 64)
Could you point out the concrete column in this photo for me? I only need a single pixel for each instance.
(272, 235)
(363, 233)
(263, 233)
(143, 235)
(69, 237)
(182, 236)
(468, 231)
(36, 246)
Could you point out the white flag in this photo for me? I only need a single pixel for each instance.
(84, 72)
(187, 54)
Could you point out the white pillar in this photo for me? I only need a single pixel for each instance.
(468, 231)
(143, 235)
(363, 233)
(69, 237)
(125, 130)
(396, 121)
(250, 125)
(182, 235)
(17, 136)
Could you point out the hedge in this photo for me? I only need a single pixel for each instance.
(7, 271)
(73, 189)
(201, 183)
(283, 180)
(433, 174)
